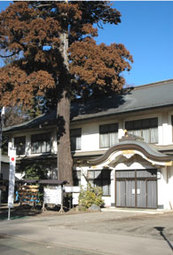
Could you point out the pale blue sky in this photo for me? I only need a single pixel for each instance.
(146, 31)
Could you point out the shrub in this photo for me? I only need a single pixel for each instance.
(90, 196)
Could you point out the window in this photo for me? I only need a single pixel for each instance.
(100, 178)
(19, 144)
(40, 143)
(76, 178)
(145, 128)
(108, 135)
(75, 137)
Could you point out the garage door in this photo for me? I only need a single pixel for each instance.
(136, 188)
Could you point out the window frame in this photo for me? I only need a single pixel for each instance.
(39, 139)
(143, 124)
(76, 133)
(108, 129)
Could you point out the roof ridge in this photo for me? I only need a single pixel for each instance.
(158, 83)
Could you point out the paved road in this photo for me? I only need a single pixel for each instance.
(118, 233)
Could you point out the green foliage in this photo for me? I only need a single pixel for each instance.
(35, 171)
(89, 196)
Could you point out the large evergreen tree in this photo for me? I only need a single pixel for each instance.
(58, 59)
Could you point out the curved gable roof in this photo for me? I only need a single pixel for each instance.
(149, 151)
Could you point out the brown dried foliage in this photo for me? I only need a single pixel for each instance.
(99, 66)
(16, 87)
(27, 27)
(71, 64)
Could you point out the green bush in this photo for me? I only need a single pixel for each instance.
(89, 196)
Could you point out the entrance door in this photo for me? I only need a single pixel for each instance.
(136, 188)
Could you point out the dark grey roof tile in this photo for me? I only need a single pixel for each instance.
(149, 96)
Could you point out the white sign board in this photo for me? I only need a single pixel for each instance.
(11, 177)
(52, 195)
(138, 191)
(69, 189)
(75, 200)
(10, 148)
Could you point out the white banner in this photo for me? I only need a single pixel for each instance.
(11, 177)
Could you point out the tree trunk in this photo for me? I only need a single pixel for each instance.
(64, 150)
(64, 156)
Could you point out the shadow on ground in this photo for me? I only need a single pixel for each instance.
(24, 211)
(19, 212)
(161, 231)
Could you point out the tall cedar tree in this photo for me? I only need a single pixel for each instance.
(58, 59)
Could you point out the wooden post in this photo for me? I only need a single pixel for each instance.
(61, 209)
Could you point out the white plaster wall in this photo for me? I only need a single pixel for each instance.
(90, 137)
(133, 165)
(83, 174)
(170, 187)
(165, 129)
(163, 188)
(120, 129)
(107, 201)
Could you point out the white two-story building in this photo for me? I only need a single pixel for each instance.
(122, 143)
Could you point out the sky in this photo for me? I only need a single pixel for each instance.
(146, 30)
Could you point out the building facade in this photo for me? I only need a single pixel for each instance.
(122, 143)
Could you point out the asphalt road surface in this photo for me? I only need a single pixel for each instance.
(118, 233)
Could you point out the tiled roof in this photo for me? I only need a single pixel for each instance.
(150, 96)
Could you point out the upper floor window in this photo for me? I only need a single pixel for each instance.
(75, 137)
(19, 144)
(108, 135)
(40, 143)
(145, 128)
